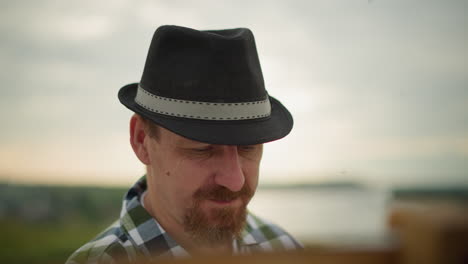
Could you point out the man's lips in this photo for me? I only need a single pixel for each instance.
(223, 202)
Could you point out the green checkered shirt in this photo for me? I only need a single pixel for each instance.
(138, 235)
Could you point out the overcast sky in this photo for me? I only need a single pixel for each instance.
(378, 89)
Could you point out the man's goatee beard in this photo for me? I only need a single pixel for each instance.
(218, 225)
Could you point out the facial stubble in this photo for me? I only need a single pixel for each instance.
(217, 225)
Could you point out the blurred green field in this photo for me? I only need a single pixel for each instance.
(45, 224)
(42, 243)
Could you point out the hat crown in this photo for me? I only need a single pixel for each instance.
(209, 66)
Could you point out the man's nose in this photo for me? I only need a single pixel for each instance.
(229, 173)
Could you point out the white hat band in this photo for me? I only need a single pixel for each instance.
(202, 110)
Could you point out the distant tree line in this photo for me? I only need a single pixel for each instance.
(37, 204)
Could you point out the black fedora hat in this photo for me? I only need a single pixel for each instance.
(207, 86)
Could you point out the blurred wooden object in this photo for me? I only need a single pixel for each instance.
(431, 232)
(291, 257)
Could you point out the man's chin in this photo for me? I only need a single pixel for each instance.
(215, 223)
(224, 216)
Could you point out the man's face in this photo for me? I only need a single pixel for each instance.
(203, 187)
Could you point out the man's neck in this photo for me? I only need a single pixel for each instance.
(176, 230)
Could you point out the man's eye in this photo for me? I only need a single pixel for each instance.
(202, 151)
(247, 148)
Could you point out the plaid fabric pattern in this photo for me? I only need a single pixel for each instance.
(138, 235)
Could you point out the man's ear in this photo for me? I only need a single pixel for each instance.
(137, 138)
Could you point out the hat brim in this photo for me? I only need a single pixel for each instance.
(238, 132)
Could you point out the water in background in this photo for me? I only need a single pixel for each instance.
(346, 217)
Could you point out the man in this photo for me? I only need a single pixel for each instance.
(201, 116)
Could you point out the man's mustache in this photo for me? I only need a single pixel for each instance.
(221, 193)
